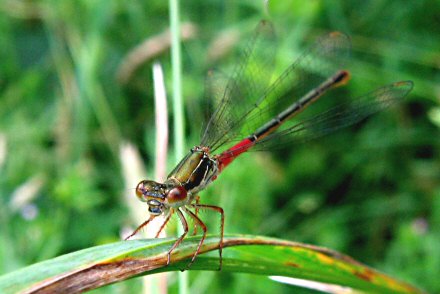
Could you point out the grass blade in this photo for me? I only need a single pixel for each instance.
(98, 266)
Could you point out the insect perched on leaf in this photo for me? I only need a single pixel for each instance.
(240, 121)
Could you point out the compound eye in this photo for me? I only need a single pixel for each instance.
(177, 194)
(140, 190)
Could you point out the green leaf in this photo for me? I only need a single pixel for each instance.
(101, 265)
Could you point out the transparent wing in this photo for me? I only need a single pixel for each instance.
(215, 85)
(248, 102)
(326, 57)
(251, 76)
(338, 117)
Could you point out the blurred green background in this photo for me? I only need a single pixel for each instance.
(68, 109)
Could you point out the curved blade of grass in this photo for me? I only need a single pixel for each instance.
(101, 265)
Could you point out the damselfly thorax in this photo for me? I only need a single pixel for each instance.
(193, 173)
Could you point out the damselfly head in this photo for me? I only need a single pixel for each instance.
(176, 195)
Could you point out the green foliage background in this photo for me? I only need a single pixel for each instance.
(372, 192)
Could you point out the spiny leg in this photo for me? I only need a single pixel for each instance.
(197, 198)
(185, 231)
(222, 225)
(141, 226)
(164, 223)
(203, 226)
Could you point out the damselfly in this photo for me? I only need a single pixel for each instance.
(241, 120)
